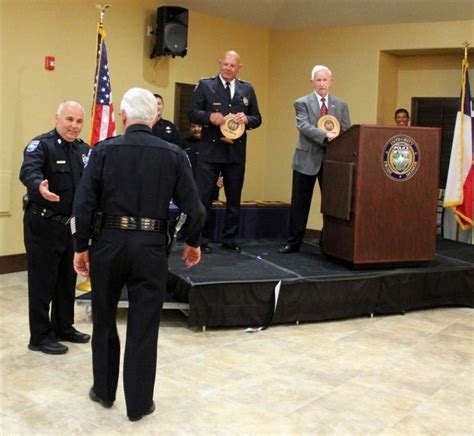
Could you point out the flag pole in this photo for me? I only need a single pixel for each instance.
(86, 286)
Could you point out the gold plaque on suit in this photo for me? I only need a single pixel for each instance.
(231, 130)
(329, 123)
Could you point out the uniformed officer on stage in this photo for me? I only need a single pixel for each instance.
(165, 129)
(51, 170)
(213, 99)
(127, 186)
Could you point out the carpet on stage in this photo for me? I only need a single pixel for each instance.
(259, 287)
(232, 289)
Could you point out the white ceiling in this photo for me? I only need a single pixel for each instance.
(301, 14)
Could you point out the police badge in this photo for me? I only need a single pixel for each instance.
(245, 100)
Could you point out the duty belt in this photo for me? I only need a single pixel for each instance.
(136, 223)
(36, 209)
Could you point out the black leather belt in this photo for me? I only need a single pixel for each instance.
(36, 209)
(136, 223)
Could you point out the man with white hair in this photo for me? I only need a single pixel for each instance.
(311, 149)
(124, 197)
(51, 169)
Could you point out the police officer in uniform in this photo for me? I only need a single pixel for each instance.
(51, 169)
(192, 143)
(165, 129)
(127, 185)
(213, 99)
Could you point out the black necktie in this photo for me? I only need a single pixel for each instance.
(227, 89)
(74, 163)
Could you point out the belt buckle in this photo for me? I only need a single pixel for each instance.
(124, 222)
(147, 224)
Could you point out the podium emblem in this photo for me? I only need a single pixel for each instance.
(400, 158)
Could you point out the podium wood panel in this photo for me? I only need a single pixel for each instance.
(390, 220)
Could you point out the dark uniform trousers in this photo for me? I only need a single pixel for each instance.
(48, 243)
(206, 178)
(138, 260)
(51, 278)
(135, 258)
(217, 156)
(301, 195)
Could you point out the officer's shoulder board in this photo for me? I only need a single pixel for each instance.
(104, 141)
(202, 79)
(243, 81)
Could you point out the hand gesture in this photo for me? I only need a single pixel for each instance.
(191, 255)
(46, 193)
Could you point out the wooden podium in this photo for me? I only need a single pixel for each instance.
(380, 193)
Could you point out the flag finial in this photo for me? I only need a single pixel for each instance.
(466, 47)
(102, 11)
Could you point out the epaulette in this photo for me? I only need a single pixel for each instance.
(205, 78)
(46, 135)
(243, 81)
(104, 140)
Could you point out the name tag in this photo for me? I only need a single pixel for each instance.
(61, 162)
(217, 104)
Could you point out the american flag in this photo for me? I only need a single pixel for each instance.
(103, 122)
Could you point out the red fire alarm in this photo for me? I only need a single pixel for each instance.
(49, 63)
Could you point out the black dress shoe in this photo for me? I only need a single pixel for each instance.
(148, 412)
(51, 348)
(75, 336)
(206, 249)
(288, 249)
(94, 397)
(231, 246)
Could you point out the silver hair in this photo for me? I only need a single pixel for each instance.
(318, 68)
(68, 102)
(139, 104)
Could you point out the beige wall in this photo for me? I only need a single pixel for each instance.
(67, 30)
(278, 63)
(353, 54)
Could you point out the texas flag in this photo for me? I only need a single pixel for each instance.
(459, 195)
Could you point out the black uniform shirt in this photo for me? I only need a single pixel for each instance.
(166, 130)
(210, 96)
(137, 175)
(191, 147)
(49, 156)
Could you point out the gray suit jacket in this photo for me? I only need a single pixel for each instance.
(310, 149)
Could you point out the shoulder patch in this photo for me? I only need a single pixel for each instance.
(32, 146)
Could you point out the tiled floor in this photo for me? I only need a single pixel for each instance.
(405, 375)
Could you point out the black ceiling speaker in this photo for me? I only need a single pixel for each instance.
(171, 32)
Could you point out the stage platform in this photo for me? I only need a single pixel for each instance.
(260, 287)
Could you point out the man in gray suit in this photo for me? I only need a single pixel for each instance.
(311, 149)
